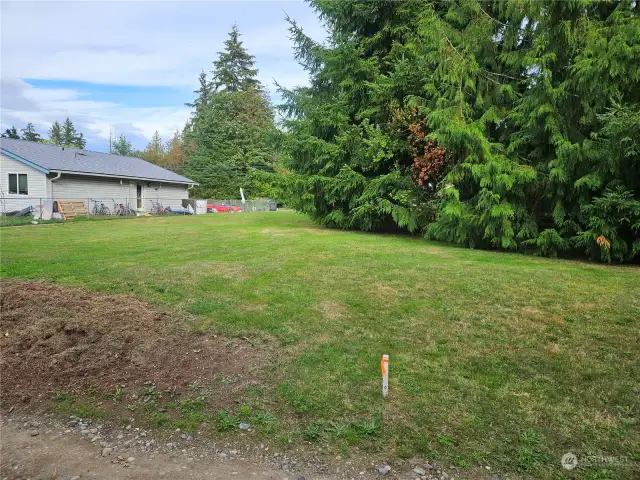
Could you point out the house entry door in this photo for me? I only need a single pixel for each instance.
(139, 197)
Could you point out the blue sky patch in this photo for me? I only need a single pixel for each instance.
(99, 64)
(130, 95)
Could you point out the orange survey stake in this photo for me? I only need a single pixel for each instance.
(384, 366)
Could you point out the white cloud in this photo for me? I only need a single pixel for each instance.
(23, 103)
(141, 43)
(132, 44)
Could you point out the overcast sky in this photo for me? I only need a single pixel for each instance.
(132, 65)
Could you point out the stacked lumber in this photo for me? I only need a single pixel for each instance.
(72, 208)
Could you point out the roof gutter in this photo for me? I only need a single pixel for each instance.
(156, 180)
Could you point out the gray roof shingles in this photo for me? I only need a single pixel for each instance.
(68, 159)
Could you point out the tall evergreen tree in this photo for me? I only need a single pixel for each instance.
(231, 125)
(234, 70)
(11, 133)
(122, 146)
(80, 141)
(69, 134)
(203, 95)
(488, 124)
(29, 133)
(55, 133)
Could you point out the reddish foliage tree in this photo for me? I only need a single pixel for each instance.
(428, 159)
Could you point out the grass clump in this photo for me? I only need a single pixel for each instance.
(226, 421)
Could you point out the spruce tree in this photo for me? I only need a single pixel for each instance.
(55, 133)
(234, 70)
(29, 133)
(231, 125)
(11, 133)
(80, 141)
(347, 135)
(69, 134)
(122, 146)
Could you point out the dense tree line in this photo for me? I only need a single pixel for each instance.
(28, 133)
(491, 124)
(11, 133)
(168, 154)
(64, 134)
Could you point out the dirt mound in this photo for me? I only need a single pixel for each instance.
(57, 338)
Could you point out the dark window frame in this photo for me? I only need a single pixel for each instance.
(18, 190)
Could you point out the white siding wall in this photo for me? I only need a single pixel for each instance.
(106, 190)
(79, 187)
(36, 184)
(167, 195)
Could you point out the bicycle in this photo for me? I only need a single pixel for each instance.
(158, 209)
(121, 209)
(99, 210)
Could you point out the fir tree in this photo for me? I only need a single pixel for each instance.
(69, 134)
(55, 133)
(203, 95)
(234, 70)
(80, 141)
(122, 146)
(11, 133)
(29, 133)
(230, 127)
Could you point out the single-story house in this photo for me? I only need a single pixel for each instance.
(32, 172)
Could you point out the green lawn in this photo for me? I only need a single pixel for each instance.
(496, 358)
(20, 221)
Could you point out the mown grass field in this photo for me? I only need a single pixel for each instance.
(496, 358)
(20, 221)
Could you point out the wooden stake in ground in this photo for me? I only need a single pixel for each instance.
(384, 366)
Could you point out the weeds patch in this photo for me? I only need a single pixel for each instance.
(226, 421)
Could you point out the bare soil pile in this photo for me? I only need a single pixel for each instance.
(58, 338)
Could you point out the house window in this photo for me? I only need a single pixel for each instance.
(18, 184)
